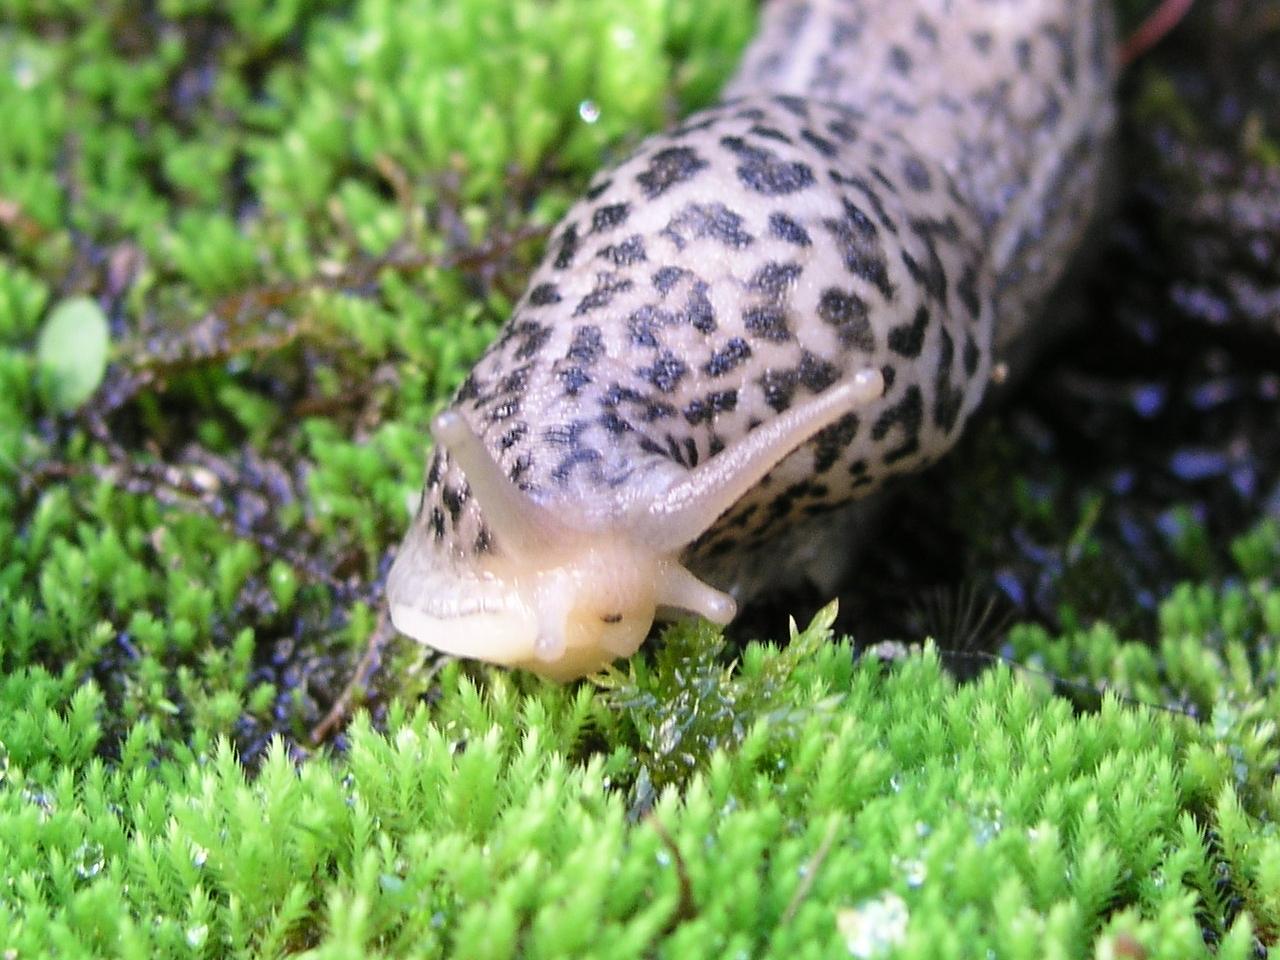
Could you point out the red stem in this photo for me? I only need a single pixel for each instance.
(1153, 29)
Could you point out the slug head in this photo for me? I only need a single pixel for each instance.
(565, 600)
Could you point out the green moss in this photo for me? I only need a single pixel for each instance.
(487, 825)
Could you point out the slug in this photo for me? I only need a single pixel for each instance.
(756, 320)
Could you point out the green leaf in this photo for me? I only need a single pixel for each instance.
(72, 351)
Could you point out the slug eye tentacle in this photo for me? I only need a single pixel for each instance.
(681, 589)
(523, 527)
(689, 507)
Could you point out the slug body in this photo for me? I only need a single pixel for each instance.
(756, 320)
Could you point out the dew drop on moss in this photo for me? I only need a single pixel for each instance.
(914, 871)
(197, 935)
(88, 860)
(589, 111)
(874, 927)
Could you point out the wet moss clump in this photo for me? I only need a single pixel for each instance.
(848, 807)
(298, 224)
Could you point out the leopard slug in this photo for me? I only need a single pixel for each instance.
(755, 320)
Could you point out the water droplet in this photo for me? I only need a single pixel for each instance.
(24, 73)
(88, 860)
(197, 935)
(199, 855)
(43, 800)
(4, 764)
(913, 871)
(391, 883)
(874, 927)
(987, 826)
(589, 111)
(663, 858)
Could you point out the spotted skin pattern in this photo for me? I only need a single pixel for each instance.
(886, 186)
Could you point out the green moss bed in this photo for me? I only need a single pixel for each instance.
(247, 249)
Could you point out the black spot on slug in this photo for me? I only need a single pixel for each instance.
(861, 252)
(665, 278)
(565, 467)
(544, 294)
(908, 339)
(436, 522)
(847, 312)
(797, 106)
(573, 379)
(784, 228)
(453, 501)
(779, 388)
(711, 220)
(831, 442)
(817, 374)
(948, 400)
(609, 216)
(968, 290)
(704, 409)
(624, 254)
(843, 130)
(533, 337)
(821, 144)
(734, 352)
(971, 355)
(767, 322)
(586, 346)
(436, 468)
(761, 170)
(916, 174)
(775, 279)
(568, 247)
(899, 60)
(669, 167)
(608, 285)
(698, 311)
(594, 193)
(907, 413)
(771, 133)
(513, 436)
(666, 373)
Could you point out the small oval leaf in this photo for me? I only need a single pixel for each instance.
(72, 351)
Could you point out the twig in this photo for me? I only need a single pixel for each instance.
(237, 311)
(382, 633)
(811, 869)
(686, 909)
(1153, 29)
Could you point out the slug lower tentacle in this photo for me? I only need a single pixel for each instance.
(756, 319)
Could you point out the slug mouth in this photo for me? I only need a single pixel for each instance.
(499, 637)
(458, 611)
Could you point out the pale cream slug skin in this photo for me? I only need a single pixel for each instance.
(755, 320)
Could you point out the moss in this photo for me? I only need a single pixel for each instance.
(488, 825)
(302, 221)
